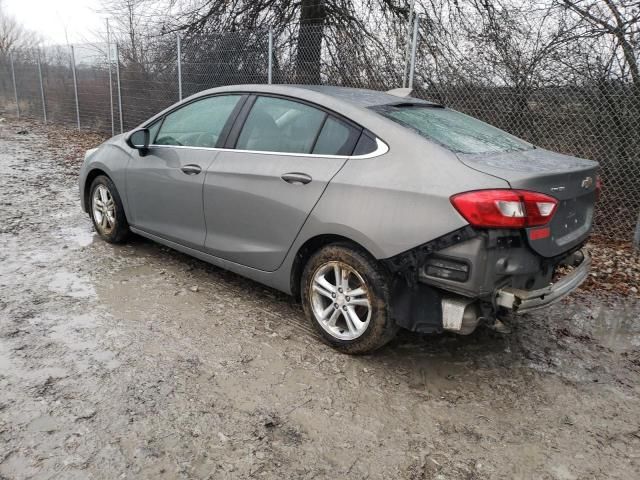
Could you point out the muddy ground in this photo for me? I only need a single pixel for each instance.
(139, 362)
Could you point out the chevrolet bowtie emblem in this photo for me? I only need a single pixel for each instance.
(587, 182)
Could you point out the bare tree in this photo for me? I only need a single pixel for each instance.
(14, 36)
(317, 21)
(617, 18)
(515, 45)
(133, 23)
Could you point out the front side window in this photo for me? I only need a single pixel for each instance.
(197, 124)
(153, 130)
(453, 130)
(278, 125)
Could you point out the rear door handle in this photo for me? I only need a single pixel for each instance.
(191, 169)
(296, 178)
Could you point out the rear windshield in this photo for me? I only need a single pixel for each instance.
(453, 130)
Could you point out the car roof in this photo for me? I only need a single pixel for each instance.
(359, 97)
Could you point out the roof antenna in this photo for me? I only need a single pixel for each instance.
(400, 92)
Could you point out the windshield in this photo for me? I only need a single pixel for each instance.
(453, 130)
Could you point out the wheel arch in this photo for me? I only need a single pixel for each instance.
(308, 248)
(91, 176)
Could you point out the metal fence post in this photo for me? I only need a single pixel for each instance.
(408, 44)
(412, 69)
(15, 88)
(119, 89)
(270, 72)
(75, 84)
(179, 47)
(113, 126)
(636, 236)
(44, 104)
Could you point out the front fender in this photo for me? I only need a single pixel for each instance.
(110, 159)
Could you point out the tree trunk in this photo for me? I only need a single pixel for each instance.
(312, 18)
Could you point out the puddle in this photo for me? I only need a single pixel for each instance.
(618, 330)
(81, 236)
(43, 424)
(6, 365)
(70, 284)
(108, 358)
(615, 327)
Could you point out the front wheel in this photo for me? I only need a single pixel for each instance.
(107, 211)
(345, 294)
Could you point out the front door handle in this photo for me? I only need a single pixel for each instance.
(191, 169)
(296, 178)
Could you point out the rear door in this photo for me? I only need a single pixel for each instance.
(258, 193)
(164, 187)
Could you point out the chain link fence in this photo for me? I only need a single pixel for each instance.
(113, 89)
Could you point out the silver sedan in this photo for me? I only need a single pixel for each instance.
(378, 210)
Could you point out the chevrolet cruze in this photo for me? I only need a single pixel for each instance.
(378, 210)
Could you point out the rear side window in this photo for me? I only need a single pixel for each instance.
(197, 124)
(336, 138)
(366, 144)
(453, 130)
(279, 125)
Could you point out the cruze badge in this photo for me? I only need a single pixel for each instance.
(587, 182)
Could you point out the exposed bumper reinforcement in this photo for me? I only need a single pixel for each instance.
(521, 301)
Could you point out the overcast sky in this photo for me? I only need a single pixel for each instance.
(51, 17)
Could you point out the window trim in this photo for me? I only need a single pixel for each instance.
(381, 149)
(243, 108)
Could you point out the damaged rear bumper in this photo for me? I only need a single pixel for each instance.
(521, 301)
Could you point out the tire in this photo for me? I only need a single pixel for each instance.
(329, 307)
(112, 227)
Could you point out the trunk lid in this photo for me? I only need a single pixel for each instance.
(571, 180)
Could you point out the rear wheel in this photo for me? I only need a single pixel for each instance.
(107, 211)
(345, 295)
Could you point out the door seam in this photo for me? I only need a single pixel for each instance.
(308, 215)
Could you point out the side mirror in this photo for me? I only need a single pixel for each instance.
(139, 139)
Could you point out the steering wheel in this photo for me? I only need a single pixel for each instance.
(172, 141)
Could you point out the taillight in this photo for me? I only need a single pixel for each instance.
(598, 187)
(505, 208)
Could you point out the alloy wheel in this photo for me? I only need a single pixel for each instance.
(104, 209)
(340, 300)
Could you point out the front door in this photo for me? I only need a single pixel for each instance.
(164, 187)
